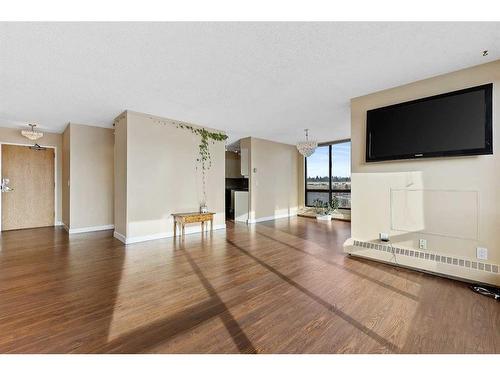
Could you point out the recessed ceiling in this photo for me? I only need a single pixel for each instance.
(269, 80)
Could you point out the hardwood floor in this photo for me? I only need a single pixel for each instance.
(275, 287)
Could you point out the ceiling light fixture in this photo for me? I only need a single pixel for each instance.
(307, 147)
(32, 134)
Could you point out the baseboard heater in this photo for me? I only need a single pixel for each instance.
(488, 269)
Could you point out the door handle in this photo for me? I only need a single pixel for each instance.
(4, 186)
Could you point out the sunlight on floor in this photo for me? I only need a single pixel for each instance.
(148, 306)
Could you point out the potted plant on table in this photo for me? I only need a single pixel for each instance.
(204, 158)
(324, 210)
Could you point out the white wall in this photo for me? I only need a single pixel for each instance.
(443, 186)
(162, 177)
(91, 177)
(120, 181)
(273, 179)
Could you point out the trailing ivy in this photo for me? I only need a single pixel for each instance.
(204, 157)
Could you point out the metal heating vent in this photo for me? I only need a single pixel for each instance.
(431, 257)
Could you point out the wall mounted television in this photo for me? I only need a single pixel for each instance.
(452, 124)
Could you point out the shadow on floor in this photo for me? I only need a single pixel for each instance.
(381, 340)
(359, 274)
(160, 332)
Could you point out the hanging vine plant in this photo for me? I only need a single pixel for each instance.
(204, 158)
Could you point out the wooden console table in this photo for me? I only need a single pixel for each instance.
(193, 217)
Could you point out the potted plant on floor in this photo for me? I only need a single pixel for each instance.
(324, 210)
(320, 208)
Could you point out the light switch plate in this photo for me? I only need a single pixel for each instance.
(482, 253)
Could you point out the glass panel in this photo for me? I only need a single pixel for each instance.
(317, 169)
(312, 196)
(319, 175)
(341, 166)
(344, 199)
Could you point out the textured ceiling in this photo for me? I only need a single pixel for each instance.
(269, 80)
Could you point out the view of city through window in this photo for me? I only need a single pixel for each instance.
(328, 174)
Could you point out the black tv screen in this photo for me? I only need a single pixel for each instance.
(451, 124)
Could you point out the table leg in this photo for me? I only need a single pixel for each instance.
(182, 230)
(201, 223)
(175, 228)
(211, 225)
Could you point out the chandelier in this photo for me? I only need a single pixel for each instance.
(307, 147)
(32, 134)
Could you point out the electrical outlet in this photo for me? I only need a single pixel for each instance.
(482, 253)
(383, 236)
(422, 244)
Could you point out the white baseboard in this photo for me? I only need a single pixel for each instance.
(58, 223)
(157, 236)
(269, 218)
(120, 237)
(88, 229)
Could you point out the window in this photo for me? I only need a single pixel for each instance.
(328, 174)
